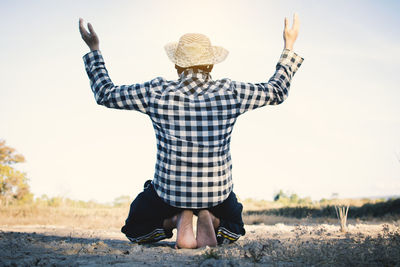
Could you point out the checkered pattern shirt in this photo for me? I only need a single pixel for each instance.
(193, 119)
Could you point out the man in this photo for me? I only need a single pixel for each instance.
(193, 119)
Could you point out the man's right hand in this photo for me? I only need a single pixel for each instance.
(90, 37)
(290, 35)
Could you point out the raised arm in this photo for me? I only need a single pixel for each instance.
(105, 92)
(276, 90)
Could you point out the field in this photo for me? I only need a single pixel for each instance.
(64, 235)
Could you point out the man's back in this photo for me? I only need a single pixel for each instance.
(193, 118)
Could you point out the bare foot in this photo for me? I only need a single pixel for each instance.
(185, 236)
(206, 225)
(215, 221)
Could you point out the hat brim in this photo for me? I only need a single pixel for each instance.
(219, 55)
(170, 48)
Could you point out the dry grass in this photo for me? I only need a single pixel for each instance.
(87, 218)
(255, 205)
(96, 216)
(102, 218)
(273, 220)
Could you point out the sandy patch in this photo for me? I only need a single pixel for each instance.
(263, 245)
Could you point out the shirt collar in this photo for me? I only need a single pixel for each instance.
(195, 74)
(192, 80)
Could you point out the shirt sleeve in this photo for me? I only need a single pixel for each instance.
(273, 92)
(134, 97)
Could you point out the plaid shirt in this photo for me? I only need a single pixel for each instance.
(193, 119)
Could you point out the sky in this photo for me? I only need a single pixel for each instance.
(337, 133)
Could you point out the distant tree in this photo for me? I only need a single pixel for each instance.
(305, 200)
(289, 199)
(13, 183)
(294, 198)
(280, 195)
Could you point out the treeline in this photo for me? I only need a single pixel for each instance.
(369, 210)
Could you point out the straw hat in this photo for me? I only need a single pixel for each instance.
(195, 49)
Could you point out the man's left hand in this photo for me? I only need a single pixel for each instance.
(290, 34)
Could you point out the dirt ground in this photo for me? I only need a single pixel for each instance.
(263, 245)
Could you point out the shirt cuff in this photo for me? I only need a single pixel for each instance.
(291, 59)
(93, 57)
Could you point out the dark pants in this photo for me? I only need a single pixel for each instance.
(148, 212)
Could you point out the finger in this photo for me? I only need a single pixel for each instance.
(286, 23)
(91, 30)
(296, 22)
(82, 29)
(80, 24)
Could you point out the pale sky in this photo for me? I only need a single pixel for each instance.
(338, 132)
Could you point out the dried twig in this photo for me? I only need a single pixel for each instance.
(341, 213)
